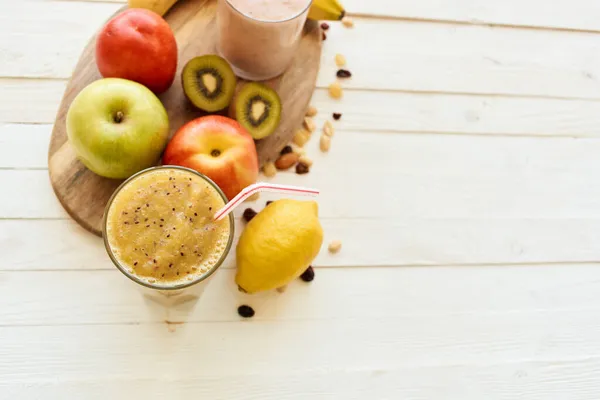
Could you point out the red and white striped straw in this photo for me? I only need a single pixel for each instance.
(262, 187)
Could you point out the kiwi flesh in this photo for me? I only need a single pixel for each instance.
(258, 109)
(208, 82)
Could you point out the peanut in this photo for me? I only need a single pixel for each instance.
(269, 169)
(348, 22)
(309, 124)
(325, 143)
(335, 90)
(311, 111)
(299, 150)
(335, 246)
(328, 129)
(254, 197)
(301, 137)
(286, 161)
(304, 159)
(340, 60)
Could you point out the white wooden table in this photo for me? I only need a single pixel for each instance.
(463, 181)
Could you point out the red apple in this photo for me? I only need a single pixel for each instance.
(217, 147)
(140, 46)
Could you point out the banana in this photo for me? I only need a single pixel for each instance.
(158, 6)
(326, 10)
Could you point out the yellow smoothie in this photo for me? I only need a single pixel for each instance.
(159, 227)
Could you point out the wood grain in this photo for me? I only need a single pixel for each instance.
(559, 14)
(84, 194)
(476, 292)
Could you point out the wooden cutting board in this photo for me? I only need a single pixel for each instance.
(84, 194)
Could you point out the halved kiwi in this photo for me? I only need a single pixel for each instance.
(209, 82)
(258, 109)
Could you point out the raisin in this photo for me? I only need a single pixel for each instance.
(308, 275)
(337, 116)
(324, 36)
(324, 26)
(286, 150)
(302, 169)
(245, 311)
(269, 202)
(343, 73)
(249, 214)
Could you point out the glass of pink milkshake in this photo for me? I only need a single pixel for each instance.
(259, 37)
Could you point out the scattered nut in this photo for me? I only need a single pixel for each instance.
(335, 246)
(281, 289)
(285, 150)
(309, 124)
(337, 116)
(299, 150)
(311, 111)
(286, 161)
(302, 169)
(325, 143)
(343, 73)
(254, 197)
(301, 137)
(304, 159)
(324, 26)
(335, 90)
(328, 129)
(269, 169)
(348, 22)
(340, 60)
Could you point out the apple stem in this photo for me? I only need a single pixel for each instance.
(119, 117)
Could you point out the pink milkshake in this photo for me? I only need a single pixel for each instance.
(259, 37)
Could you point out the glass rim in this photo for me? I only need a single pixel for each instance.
(270, 21)
(157, 286)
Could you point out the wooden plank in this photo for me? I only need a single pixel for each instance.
(36, 102)
(561, 14)
(436, 57)
(426, 176)
(28, 194)
(564, 379)
(24, 146)
(62, 245)
(101, 352)
(424, 57)
(107, 297)
(30, 100)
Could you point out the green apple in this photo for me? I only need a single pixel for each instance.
(117, 127)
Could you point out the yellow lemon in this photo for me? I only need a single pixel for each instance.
(278, 245)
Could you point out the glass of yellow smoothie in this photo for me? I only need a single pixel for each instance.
(159, 229)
